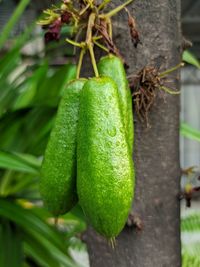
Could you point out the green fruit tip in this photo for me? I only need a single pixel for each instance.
(112, 242)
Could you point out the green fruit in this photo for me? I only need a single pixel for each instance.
(112, 66)
(104, 164)
(58, 172)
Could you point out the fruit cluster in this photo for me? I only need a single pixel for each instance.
(89, 154)
(88, 158)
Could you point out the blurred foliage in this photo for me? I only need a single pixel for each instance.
(12, 21)
(189, 132)
(185, 129)
(189, 260)
(189, 58)
(190, 229)
(30, 91)
(190, 224)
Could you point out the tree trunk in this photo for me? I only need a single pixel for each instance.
(156, 149)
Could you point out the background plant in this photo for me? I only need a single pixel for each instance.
(29, 95)
(190, 223)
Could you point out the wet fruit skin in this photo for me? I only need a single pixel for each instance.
(112, 67)
(104, 164)
(58, 172)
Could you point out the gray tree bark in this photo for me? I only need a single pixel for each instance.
(156, 149)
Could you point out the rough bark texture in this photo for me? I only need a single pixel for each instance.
(156, 152)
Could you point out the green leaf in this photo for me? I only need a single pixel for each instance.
(10, 128)
(35, 124)
(75, 221)
(11, 244)
(12, 21)
(8, 65)
(191, 223)
(191, 59)
(14, 162)
(28, 89)
(9, 62)
(190, 260)
(17, 252)
(24, 218)
(190, 229)
(189, 132)
(51, 87)
(18, 184)
(6, 239)
(51, 241)
(36, 251)
(37, 132)
(30, 159)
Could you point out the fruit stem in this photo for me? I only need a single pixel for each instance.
(90, 2)
(103, 4)
(95, 38)
(74, 43)
(163, 74)
(169, 91)
(89, 42)
(110, 31)
(116, 10)
(93, 60)
(84, 9)
(90, 27)
(101, 46)
(80, 62)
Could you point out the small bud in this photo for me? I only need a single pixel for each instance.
(133, 31)
(188, 188)
(65, 17)
(63, 7)
(53, 33)
(51, 36)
